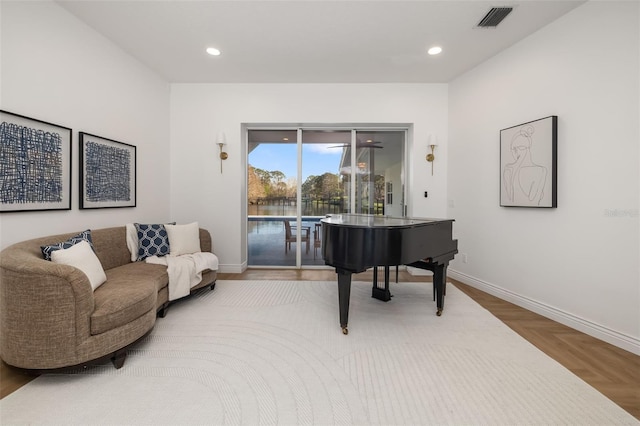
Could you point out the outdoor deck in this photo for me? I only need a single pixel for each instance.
(266, 242)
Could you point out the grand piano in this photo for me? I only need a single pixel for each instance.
(353, 243)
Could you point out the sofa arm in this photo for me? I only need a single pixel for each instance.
(45, 309)
(206, 243)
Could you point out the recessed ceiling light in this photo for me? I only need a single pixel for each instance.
(434, 50)
(213, 51)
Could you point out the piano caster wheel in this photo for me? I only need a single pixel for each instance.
(345, 330)
(439, 312)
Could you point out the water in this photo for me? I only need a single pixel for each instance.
(308, 209)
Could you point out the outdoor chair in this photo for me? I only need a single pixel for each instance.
(317, 243)
(290, 236)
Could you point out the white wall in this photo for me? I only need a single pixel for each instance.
(579, 263)
(56, 69)
(199, 111)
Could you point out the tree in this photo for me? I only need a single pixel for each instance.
(255, 186)
(321, 187)
(329, 186)
(308, 187)
(278, 187)
(277, 176)
(292, 187)
(263, 175)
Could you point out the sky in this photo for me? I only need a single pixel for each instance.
(317, 159)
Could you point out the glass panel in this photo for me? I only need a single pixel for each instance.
(379, 172)
(323, 185)
(271, 193)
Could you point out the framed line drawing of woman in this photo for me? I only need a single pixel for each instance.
(528, 164)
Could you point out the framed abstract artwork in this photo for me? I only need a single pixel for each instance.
(35, 164)
(528, 164)
(107, 173)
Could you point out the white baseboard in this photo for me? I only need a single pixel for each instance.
(598, 331)
(232, 269)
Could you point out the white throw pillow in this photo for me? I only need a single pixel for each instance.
(132, 241)
(183, 239)
(82, 257)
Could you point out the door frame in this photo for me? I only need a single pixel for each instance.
(300, 127)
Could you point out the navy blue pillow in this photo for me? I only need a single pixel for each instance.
(152, 240)
(83, 236)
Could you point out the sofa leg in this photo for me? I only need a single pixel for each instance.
(212, 286)
(118, 358)
(163, 310)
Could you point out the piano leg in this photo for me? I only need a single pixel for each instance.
(439, 281)
(344, 294)
(377, 292)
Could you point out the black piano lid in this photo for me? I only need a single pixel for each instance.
(376, 221)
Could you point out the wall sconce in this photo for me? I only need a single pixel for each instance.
(431, 157)
(221, 140)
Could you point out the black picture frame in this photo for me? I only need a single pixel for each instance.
(107, 173)
(529, 164)
(35, 164)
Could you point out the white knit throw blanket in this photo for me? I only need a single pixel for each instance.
(185, 271)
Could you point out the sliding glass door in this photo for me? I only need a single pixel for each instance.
(322, 190)
(297, 176)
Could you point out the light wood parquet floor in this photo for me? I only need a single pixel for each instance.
(612, 371)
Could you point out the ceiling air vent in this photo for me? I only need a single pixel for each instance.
(494, 17)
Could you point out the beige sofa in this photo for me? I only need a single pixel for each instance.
(51, 318)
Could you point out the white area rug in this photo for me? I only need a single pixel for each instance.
(266, 352)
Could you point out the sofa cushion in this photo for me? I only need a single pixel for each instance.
(50, 248)
(140, 271)
(129, 292)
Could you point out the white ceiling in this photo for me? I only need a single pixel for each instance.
(303, 41)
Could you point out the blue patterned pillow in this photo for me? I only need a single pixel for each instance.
(152, 240)
(83, 236)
